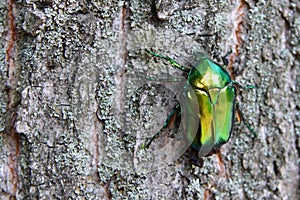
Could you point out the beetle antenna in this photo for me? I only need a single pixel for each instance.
(170, 60)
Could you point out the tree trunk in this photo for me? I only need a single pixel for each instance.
(79, 93)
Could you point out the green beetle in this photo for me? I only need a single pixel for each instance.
(209, 124)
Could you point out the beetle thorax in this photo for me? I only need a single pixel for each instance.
(207, 75)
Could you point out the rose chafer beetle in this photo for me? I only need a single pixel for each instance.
(214, 93)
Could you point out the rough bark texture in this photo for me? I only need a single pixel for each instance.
(66, 83)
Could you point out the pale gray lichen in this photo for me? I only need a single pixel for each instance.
(72, 31)
(3, 67)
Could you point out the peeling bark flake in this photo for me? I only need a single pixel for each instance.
(12, 97)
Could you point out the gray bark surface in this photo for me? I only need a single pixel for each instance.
(76, 101)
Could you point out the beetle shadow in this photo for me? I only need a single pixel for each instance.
(148, 103)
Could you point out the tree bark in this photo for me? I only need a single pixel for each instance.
(77, 98)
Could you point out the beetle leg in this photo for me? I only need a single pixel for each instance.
(239, 113)
(172, 118)
(241, 117)
(247, 87)
(171, 61)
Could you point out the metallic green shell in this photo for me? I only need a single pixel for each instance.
(215, 95)
(207, 104)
